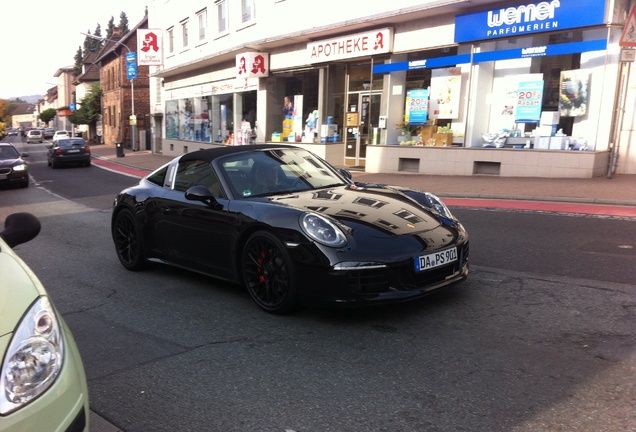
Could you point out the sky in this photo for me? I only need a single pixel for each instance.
(41, 36)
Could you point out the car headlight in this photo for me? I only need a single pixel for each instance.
(34, 358)
(21, 167)
(322, 230)
(438, 205)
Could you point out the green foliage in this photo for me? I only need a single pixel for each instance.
(47, 115)
(123, 24)
(77, 68)
(90, 107)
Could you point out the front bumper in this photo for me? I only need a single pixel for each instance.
(389, 283)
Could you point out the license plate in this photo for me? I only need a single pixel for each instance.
(3, 176)
(436, 259)
(73, 151)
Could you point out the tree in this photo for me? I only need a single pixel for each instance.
(47, 115)
(123, 24)
(90, 107)
(77, 68)
(110, 28)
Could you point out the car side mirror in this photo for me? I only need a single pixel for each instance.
(346, 173)
(20, 228)
(24, 155)
(200, 193)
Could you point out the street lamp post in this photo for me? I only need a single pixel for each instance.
(132, 119)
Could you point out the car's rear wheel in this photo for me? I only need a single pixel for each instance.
(128, 240)
(268, 273)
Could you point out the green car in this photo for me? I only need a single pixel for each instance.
(42, 382)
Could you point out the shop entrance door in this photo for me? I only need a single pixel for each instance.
(363, 110)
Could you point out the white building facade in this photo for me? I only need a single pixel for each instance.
(521, 88)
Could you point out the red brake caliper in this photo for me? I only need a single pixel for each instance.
(261, 268)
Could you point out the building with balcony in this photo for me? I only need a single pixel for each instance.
(510, 88)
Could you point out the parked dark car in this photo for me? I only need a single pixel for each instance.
(13, 168)
(67, 151)
(48, 133)
(289, 227)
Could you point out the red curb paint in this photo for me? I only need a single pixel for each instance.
(555, 207)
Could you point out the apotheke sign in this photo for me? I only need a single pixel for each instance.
(529, 18)
(351, 46)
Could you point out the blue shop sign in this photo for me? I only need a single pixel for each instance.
(529, 18)
(131, 65)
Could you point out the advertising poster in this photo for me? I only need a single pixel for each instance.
(417, 107)
(574, 93)
(529, 99)
(445, 92)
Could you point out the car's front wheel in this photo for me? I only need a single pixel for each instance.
(268, 273)
(128, 240)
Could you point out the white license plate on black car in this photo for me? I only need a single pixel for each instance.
(436, 259)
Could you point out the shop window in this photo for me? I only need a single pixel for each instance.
(301, 87)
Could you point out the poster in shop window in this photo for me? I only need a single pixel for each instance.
(445, 92)
(417, 106)
(529, 100)
(574, 91)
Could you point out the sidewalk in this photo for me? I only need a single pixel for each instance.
(620, 190)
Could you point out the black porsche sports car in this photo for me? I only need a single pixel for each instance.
(289, 227)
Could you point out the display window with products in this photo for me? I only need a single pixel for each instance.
(292, 111)
(539, 86)
(207, 119)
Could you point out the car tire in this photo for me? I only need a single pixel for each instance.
(128, 240)
(268, 273)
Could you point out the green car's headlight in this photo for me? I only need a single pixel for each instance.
(322, 230)
(34, 358)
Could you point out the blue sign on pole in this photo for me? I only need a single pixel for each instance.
(72, 107)
(131, 65)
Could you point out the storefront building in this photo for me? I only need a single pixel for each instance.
(512, 89)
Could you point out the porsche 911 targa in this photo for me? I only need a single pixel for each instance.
(291, 228)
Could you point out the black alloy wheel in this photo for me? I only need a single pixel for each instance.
(128, 240)
(268, 274)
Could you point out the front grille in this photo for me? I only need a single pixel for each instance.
(402, 276)
(370, 281)
(5, 170)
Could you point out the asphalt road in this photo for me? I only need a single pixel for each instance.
(540, 337)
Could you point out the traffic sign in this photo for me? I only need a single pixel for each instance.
(628, 38)
(72, 107)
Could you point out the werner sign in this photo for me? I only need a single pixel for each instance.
(351, 46)
(529, 18)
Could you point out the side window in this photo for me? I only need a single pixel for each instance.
(158, 177)
(196, 172)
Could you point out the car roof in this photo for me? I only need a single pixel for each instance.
(209, 155)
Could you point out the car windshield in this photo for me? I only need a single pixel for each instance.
(7, 152)
(277, 171)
